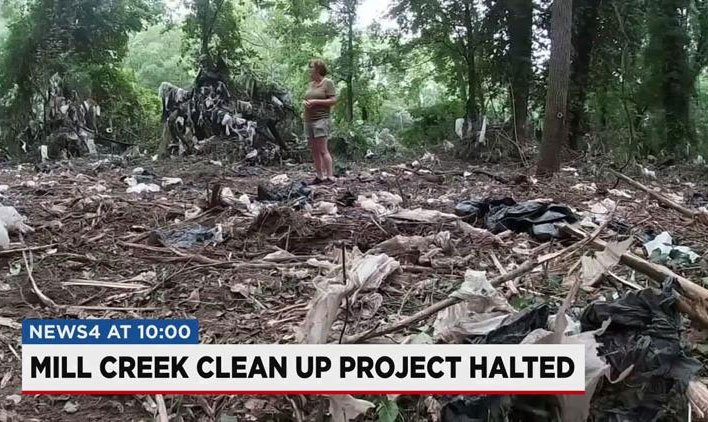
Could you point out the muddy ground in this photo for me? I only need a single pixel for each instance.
(87, 227)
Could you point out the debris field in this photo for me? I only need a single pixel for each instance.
(404, 252)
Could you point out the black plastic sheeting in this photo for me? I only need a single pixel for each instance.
(186, 238)
(516, 327)
(506, 408)
(297, 194)
(699, 199)
(645, 332)
(347, 200)
(533, 217)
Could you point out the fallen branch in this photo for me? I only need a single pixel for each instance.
(107, 284)
(42, 297)
(524, 268)
(491, 175)
(71, 308)
(7, 322)
(27, 249)
(161, 408)
(694, 298)
(439, 306)
(701, 216)
(698, 397)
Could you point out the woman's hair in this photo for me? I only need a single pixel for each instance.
(320, 66)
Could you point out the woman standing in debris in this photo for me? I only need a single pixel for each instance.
(320, 97)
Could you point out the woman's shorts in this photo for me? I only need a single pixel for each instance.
(318, 129)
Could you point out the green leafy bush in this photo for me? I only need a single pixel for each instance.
(352, 140)
(432, 125)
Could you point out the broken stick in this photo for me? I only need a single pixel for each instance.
(439, 306)
(524, 268)
(694, 298)
(701, 216)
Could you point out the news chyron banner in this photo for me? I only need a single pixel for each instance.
(106, 357)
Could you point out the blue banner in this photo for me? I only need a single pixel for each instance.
(110, 331)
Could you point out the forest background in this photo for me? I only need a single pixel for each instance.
(625, 77)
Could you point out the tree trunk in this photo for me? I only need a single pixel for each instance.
(204, 13)
(677, 85)
(471, 106)
(555, 130)
(520, 23)
(350, 63)
(585, 17)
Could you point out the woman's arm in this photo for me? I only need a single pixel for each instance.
(329, 102)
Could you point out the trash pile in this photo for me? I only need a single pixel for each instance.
(65, 125)
(211, 119)
(534, 217)
(637, 367)
(394, 255)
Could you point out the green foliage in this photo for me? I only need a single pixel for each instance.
(155, 57)
(433, 124)
(388, 411)
(352, 140)
(212, 29)
(80, 39)
(450, 31)
(133, 110)
(645, 92)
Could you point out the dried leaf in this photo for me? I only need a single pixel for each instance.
(370, 305)
(243, 289)
(7, 322)
(594, 268)
(71, 407)
(698, 395)
(577, 408)
(278, 256)
(5, 379)
(423, 216)
(346, 408)
(484, 309)
(194, 296)
(367, 272)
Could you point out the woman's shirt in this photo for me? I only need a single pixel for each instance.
(319, 91)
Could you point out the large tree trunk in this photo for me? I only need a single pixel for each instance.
(520, 23)
(677, 83)
(585, 17)
(555, 130)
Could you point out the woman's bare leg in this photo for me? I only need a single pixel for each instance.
(316, 158)
(325, 159)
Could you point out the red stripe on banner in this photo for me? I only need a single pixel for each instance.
(315, 393)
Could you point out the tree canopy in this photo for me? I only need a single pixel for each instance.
(636, 70)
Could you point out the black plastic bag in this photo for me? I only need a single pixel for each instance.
(516, 327)
(297, 192)
(472, 209)
(535, 218)
(645, 332)
(523, 216)
(506, 408)
(187, 238)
